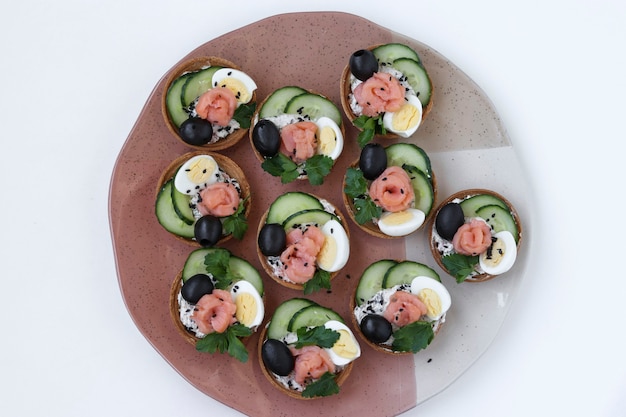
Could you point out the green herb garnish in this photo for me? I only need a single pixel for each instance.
(320, 280)
(366, 210)
(369, 126)
(317, 167)
(243, 114)
(236, 224)
(356, 188)
(460, 266)
(281, 166)
(316, 336)
(217, 263)
(413, 337)
(323, 387)
(228, 342)
(356, 184)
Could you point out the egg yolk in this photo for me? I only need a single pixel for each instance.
(200, 170)
(405, 118)
(327, 140)
(494, 255)
(238, 88)
(432, 301)
(246, 309)
(344, 346)
(399, 217)
(328, 253)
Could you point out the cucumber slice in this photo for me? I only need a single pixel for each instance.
(277, 327)
(314, 106)
(244, 270)
(276, 102)
(241, 268)
(289, 203)
(195, 263)
(499, 219)
(407, 153)
(318, 217)
(197, 83)
(417, 77)
(390, 52)
(167, 216)
(405, 271)
(312, 316)
(472, 204)
(423, 189)
(372, 280)
(181, 206)
(173, 100)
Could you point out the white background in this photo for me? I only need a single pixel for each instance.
(75, 76)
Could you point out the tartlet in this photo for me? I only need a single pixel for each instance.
(187, 83)
(191, 293)
(300, 319)
(296, 211)
(403, 64)
(403, 286)
(297, 134)
(410, 165)
(504, 230)
(178, 214)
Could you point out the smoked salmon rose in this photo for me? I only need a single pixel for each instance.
(472, 238)
(215, 312)
(380, 93)
(404, 308)
(217, 105)
(301, 253)
(311, 363)
(392, 190)
(219, 199)
(298, 141)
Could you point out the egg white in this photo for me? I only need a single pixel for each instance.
(187, 185)
(335, 150)
(224, 73)
(413, 101)
(334, 260)
(422, 282)
(391, 228)
(508, 259)
(245, 287)
(341, 360)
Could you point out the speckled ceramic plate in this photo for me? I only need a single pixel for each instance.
(468, 146)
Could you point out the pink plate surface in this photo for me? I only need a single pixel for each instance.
(308, 50)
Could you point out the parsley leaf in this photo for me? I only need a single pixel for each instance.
(369, 126)
(320, 280)
(366, 210)
(356, 184)
(317, 167)
(281, 166)
(243, 114)
(316, 336)
(460, 266)
(236, 224)
(413, 337)
(226, 342)
(217, 263)
(356, 188)
(323, 387)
